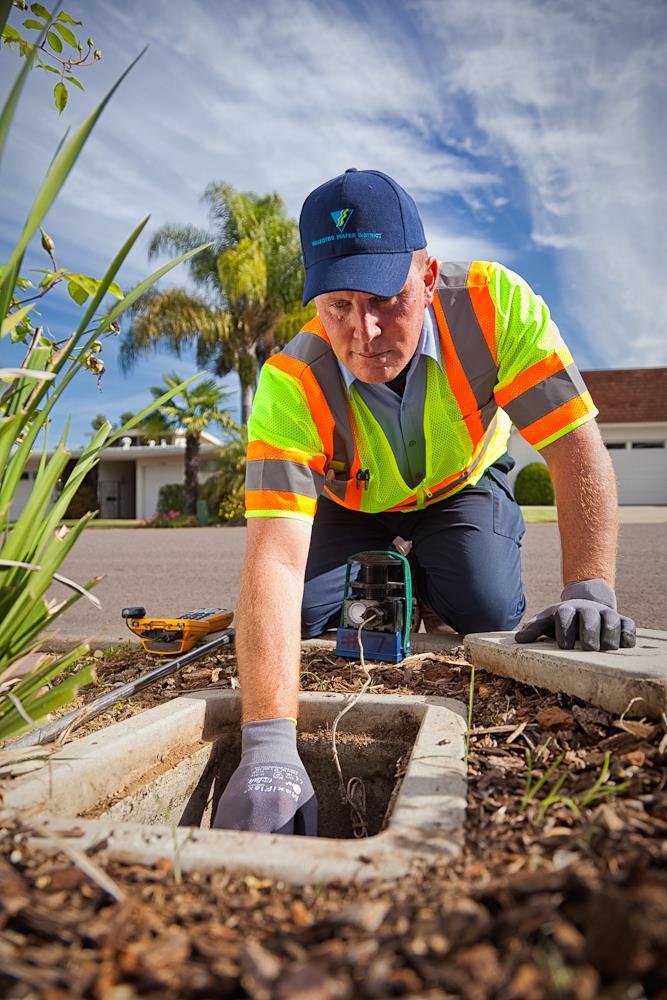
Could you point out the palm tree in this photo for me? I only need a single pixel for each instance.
(192, 410)
(250, 282)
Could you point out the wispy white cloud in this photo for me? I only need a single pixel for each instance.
(267, 103)
(450, 244)
(572, 97)
(525, 126)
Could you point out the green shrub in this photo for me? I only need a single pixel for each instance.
(224, 489)
(84, 500)
(533, 485)
(171, 497)
(232, 509)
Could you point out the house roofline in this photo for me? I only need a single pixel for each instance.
(137, 451)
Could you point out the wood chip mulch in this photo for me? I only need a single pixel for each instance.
(561, 890)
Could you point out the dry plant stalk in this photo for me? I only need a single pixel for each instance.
(354, 793)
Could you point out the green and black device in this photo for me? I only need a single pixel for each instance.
(377, 597)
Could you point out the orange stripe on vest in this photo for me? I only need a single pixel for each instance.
(532, 376)
(458, 381)
(258, 450)
(267, 500)
(558, 420)
(482, 303)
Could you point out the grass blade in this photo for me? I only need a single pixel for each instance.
(147, 283)
(7, 113)
(5, 8)
(58, 173)
(14, 319)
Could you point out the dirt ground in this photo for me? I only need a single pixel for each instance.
(561, 890)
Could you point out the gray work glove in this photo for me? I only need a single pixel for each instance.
(587, 611)
(269, 792)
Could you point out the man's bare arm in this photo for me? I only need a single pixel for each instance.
(268, 638)
(585, 487)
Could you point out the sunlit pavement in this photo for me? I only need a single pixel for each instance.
(171, 571)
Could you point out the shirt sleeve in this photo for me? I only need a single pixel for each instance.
(539, 385)
(285, 462)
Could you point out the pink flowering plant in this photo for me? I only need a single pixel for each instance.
(172, 519)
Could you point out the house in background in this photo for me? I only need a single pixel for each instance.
(127, 480)
(633, 422)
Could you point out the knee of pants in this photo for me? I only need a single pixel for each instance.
(322, 603)
(487, 611)
(315, 621)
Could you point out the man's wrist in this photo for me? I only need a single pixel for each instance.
(268, 741)
(595, 589)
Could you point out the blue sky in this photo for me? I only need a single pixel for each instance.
(530, 132)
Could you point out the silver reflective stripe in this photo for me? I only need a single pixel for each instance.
(467, 473)
(487, 413)
(280, 476)
(467, 335)
(306, 347)
(547, 396)
(320, 358)
(327, 373)
(454, 274)
(336, 487)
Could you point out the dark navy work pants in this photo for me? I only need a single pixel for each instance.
(465, 553)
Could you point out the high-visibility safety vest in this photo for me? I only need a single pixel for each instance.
(503, 362)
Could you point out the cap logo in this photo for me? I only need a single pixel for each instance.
(341, 218)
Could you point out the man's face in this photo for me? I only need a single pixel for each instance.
(375, 338)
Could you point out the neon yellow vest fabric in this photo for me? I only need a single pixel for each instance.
(503, 362)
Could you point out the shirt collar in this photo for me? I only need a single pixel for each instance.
(429, 345)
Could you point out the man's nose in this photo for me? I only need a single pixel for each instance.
(367, 325)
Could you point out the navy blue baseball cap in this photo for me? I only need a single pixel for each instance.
(358, 234)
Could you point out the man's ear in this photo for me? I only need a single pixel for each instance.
(431, 271)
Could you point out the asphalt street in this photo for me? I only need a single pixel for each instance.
(171, 571)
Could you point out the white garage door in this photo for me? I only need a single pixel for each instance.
(641, 473)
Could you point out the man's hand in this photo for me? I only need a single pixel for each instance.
(587, 611)
(270, 791)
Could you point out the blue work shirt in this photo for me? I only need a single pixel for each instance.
(402, 419)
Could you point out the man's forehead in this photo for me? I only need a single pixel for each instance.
(416, 274)
(349, 293)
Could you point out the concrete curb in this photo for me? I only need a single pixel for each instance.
(610, 680)
(96, 772)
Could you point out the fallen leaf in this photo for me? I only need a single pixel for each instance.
(169, 950)
(571, 940)
(300, 914)
(554, 717)
(527, 983)
(367, 916)
(405, 980)
(593, 721)
(432, 671)
(311, 982)
(481, 963)
(259, 962)
(641, 730)
(252, 882)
